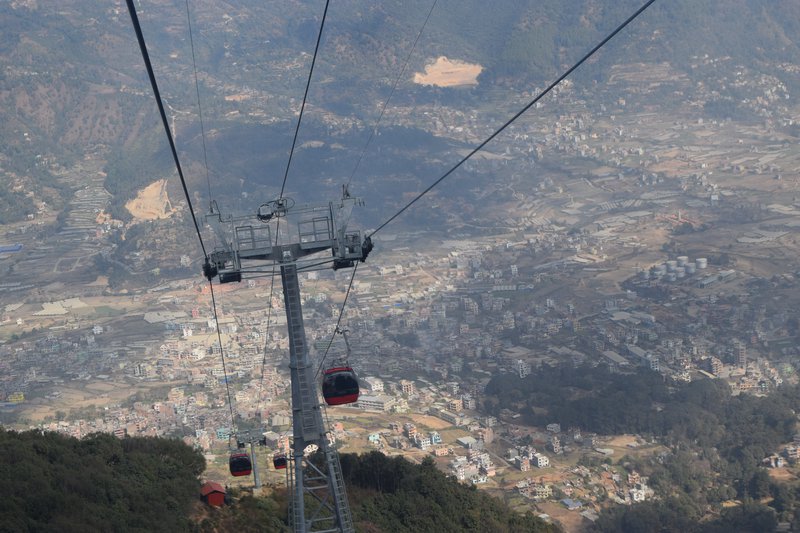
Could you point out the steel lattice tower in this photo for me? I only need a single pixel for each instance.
(319, 500)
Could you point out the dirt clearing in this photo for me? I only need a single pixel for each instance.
(449, 73)
(152, 202)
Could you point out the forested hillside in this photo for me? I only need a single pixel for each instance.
(717, 441)
(393, 496)
(55, 483)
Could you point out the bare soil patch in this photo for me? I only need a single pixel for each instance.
(782, 474)
(445, 72)
(571, 521)
(151, 203)
(430, 421)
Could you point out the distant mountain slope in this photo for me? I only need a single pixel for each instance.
(74, 82)
(75, 76)
(534, 39)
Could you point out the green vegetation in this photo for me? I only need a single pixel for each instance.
(107, 311)
(14, 206)
(392, 495)
(135, 166)
(717, 441)
(388, 495)
(247, 514)
(676, 514)
(55, 483)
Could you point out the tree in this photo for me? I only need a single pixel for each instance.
(100, 483)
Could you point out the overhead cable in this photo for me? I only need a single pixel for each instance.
(338, 321)
(199, 106)
(305, 97)
(222, 356)
(358, 163)
(517, 115)
(266, 333)
(137, 27)
(143, 47)
(391, 93)
(289, 162)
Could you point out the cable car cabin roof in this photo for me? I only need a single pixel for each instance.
(240, 464)
(340, 386)
(337, 369)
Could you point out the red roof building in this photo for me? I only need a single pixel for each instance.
(213, 493)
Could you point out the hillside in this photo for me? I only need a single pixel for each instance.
(74, 84)
(717, 442)
(101, 483)
(391, 495)
(57, 483)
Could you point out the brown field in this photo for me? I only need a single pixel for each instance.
(104, 387)
(151, 203)
(430, 421)
(572, 521)
(449, 73)
(621, 441)
(97, 393)
(782, 474)
(449, 436)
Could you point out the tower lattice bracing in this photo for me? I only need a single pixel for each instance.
(319, 499)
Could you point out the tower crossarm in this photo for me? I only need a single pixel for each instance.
(316, 229)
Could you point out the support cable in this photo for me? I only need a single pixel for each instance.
(266, 341)
(517, 115)
(199, 106)
(305, 96)
(222, 355)
(481, 145)
(269, 310)
(355, 169)
(286, 173)
(338, 321)
(391, 93)
(143, 47)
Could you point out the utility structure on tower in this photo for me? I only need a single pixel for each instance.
(249, 240)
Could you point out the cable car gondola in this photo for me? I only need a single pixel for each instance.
(240, 464)
(340, 385)
(279, 461)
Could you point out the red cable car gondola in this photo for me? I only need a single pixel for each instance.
(279, 461)
(240, 464)
(340, 385)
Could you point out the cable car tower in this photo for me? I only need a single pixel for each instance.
(319, 501)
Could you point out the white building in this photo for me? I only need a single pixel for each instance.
(379, 402)
(542, 461)
(523, 368)
(373, 384)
